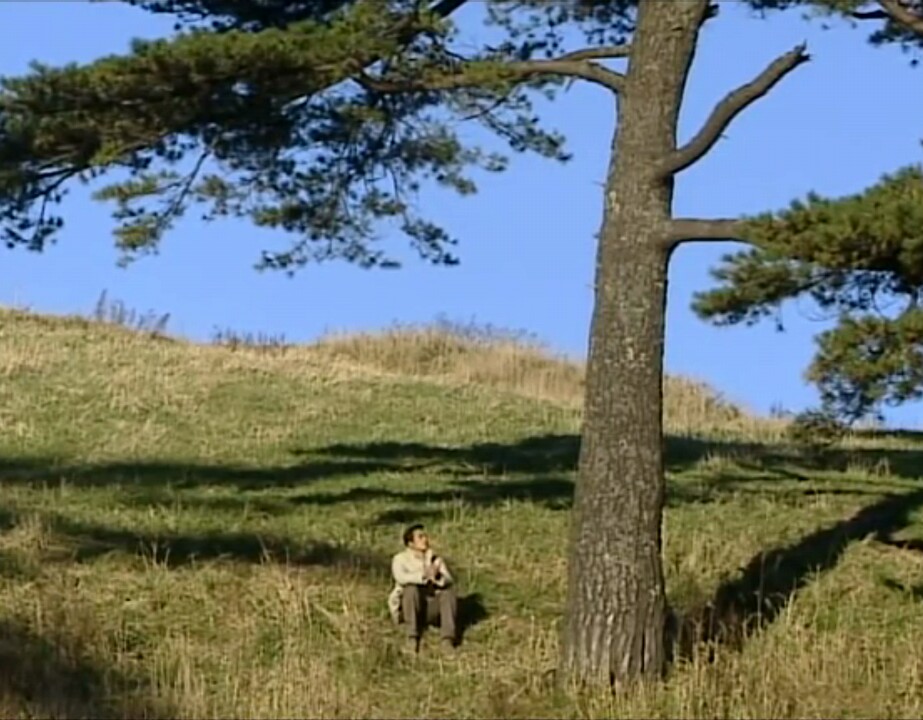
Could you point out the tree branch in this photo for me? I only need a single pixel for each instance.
(711, 12)
(869, 15)
(732, 105)
(900, 13)
(603, 52)
(444, 8)
(575, 65)
(67, 166)
(717, 230)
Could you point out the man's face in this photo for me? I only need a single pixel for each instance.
(419, 541)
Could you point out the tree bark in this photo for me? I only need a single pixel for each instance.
(616, 606)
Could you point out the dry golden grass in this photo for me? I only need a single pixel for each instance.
(459, 354)
(203, 531)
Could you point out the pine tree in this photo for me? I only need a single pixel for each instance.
(321, 118)
(860, 259)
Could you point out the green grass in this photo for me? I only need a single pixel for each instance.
(204, 531)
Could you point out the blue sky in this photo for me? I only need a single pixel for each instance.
(834, 126)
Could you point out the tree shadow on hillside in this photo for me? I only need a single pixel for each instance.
(914, 436)
(542, 454)
(8, 519)
(483, 471)
(770, 580)
(559, 453)
(91, 541)
(41, 676)
(480, 475)
(913, 591)
(179, 475)
(555, 493)
(907, 462)
(537, 454)
(545, 454)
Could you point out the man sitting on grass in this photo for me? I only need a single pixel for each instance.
(424, 591)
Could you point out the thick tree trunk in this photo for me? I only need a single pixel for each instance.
(615, 616)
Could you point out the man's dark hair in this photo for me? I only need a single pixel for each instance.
(408, 533)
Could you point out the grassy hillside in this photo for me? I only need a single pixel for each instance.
(204, 531)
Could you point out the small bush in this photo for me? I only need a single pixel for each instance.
(258, 341)
(816, 429)
(116, 312)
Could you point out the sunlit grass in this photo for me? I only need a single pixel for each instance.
(203, 531)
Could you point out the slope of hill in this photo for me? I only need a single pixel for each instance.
(203, 531)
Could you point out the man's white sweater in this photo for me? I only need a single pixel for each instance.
(408, 567)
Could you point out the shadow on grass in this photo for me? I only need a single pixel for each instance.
(907, 463)
(471, 611)
(559, 453)
(550, 493)
(914, 591)
(545, 454)
(771, 579)
(178, 549)
(178, 475)
(14, 566)
(51, 677)
(538, 454)
(553, 493)
(914, 544)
